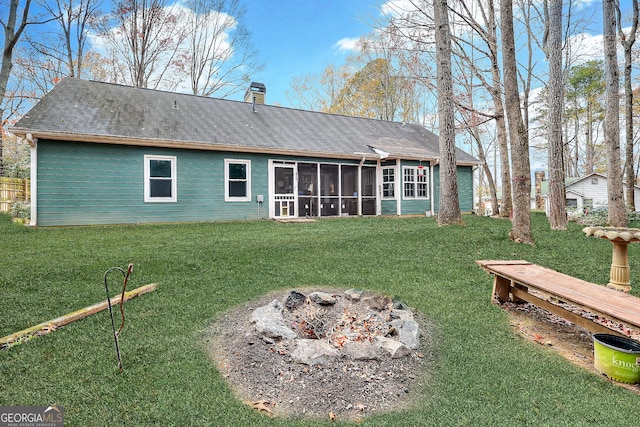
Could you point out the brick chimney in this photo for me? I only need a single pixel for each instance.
(255, 93)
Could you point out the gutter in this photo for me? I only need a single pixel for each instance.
(194, 145)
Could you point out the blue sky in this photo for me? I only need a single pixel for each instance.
(299, 37)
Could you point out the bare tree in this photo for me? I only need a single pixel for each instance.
(553, 50)
(485, 26)
(617, 212)
(521, 224)
(11, 37)
(316, 92)
(627, 44)
(449, 203)
(144, 38)
(74, 19)
(220, 56)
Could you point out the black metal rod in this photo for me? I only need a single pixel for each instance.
(113, 324)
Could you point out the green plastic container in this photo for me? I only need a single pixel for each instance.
(617, 357)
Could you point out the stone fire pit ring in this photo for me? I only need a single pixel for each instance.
(322, 353)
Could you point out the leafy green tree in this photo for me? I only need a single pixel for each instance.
(376, 91)
(584, 94)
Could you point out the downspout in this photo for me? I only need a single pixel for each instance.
(33, 143)
(360, 185)
(379, 191)
(397, 190)
(433, 187)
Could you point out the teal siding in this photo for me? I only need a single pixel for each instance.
(413, 206)
(84, 183)
(465, 188)
(389, 207)
(104, 184)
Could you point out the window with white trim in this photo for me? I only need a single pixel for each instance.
(160, 179)
(389, 182)
(415, 182)
(237, 180)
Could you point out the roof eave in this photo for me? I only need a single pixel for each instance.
(198, 145)
(192, 145)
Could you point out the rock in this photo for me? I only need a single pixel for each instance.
(269, 322)
(313, 352)
(322, 298)
(400, 305)
(377, 302)
(393, 348)
(354, 294)
(401, 314)
(363, 350)
(408, 332)
(294, 300)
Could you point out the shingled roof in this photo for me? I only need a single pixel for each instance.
(80, 110)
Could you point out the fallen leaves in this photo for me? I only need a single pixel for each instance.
(262, 406)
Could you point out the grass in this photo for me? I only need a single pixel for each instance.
(482, 374)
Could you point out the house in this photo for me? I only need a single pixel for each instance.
(586, 193)
(103, 153)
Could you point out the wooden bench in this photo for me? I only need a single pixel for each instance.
(514, 279)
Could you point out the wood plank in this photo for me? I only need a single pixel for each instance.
(603, 301)
(600, 299)
(484, 262)
(587, 324)
(51, 325)
(501, 288)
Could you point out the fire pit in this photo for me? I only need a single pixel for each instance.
(322, 353)
(620, 238)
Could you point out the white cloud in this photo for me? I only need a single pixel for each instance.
(348, 44)
(586, 47)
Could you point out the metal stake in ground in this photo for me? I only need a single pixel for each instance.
(113, 323)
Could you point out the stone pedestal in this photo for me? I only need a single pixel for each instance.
(619, 275)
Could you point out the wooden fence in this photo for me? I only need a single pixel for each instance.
(13, 190)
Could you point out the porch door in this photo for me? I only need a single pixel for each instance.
(284, 194)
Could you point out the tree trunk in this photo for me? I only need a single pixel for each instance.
(627, 44)
(11, 36)
(521, 224)
(557, 213)
(617, 210)
(449, 203)
(506, 208)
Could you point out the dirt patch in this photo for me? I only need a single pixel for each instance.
(572, 342)
(263, 374)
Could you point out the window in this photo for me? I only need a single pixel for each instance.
(237, 178)
(594, 181)
(416, 182)
(571, 203)
(160, 179)
(389, 182)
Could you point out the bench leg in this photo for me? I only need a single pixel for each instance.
(501, 288)
(522, 288)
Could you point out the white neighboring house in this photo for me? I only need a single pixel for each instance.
(587, 192)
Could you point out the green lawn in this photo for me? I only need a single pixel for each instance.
(482, 374)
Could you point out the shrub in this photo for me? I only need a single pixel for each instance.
(20, 210)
